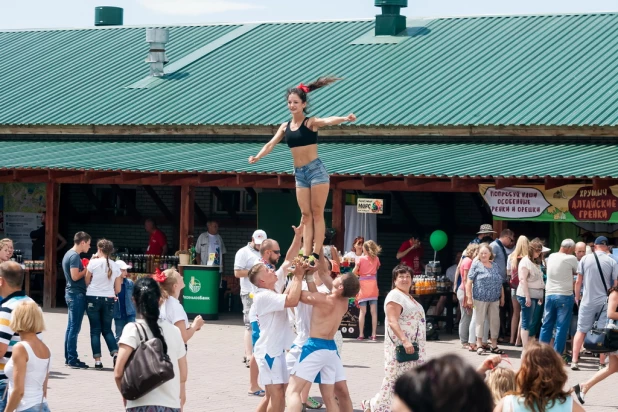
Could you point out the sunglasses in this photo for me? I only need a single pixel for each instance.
(278, 252)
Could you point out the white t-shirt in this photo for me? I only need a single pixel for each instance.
(168, 394)
(281, 280)
(211, 250)
(535, 276)
(352, 255)
(102, 285)
(560, 271)
(276, 334)
(172, 311)
(303, 317)
(245, 258)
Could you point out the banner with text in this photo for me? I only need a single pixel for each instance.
(569, 203)
(23, 204)
(370, 206)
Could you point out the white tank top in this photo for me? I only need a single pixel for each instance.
(36, 373)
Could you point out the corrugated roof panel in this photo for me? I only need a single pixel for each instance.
(414, 159)
(503, 70)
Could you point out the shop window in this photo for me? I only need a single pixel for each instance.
(116, 203)
(238, 200)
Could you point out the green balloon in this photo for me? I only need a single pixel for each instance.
(438, 240)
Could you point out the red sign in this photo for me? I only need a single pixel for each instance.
(593, 205)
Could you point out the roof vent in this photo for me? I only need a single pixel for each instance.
(108, 16)
(390, 22)
(156, 57)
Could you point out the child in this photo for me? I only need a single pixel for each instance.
(171, 283)
(124, 310)
(367, 269)
(500, 382)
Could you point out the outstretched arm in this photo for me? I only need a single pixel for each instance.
(312, 298)
(268, 147)
(324, 273)
(332, 121)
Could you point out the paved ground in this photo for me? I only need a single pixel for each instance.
(218, 381)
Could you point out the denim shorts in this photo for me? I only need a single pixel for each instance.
(311, 174)
(368, 302)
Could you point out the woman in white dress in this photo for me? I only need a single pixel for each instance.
(405, 324)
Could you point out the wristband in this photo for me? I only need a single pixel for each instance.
(309, 278)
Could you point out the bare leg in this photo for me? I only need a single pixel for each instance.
(578, 341)
(295, 388)
(253, 375)
(304, 395)
(374, 319)
(525, 335)
(361, 321)
(319, 194)
(277, 398)
(248, 343)
(602, 374)
(343, 396)
(303, 197)
(328, 395)
(515, 320)
(263, 405)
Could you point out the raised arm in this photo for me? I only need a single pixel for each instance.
(296, 286)
(330, 121)
(312, 298)
(324, 273)
(268, 147)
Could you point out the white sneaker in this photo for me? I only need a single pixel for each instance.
(574, 366)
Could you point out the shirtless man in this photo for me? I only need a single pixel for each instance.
(319, 354)
(276, 334)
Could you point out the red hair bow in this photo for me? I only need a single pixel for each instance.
(159, 276)
(303, 88)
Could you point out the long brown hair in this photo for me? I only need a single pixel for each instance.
(303, 89)
(541, 378)
(107, 247)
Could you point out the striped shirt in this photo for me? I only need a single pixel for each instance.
(7, 336)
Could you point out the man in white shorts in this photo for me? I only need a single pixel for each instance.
(276, 334)
(319, 358)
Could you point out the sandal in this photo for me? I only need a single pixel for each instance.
(465, 346)
(360, 338)
(472, 348)
(480, 351)
(313, 404)
(365, 406)
(373, 338)
(497, 351)
(259, 393)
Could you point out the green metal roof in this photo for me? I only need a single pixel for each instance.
(511, 70)
(377, 159)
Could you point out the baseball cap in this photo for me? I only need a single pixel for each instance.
(122, 265)
(259, 236)
(601, 240)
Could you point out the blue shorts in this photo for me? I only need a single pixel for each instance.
(368, 302)
(311, 174)
(255, 332)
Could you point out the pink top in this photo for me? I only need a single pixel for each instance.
(368, 266)
(465, 265)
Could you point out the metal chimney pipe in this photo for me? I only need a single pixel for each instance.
(108, 16)
(156, 56)
(391, 22)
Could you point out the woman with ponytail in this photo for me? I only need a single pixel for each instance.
(312, 181)
(171, 283)
(104, 282)
(171, 395)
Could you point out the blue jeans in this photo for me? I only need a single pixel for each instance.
(38, 408)
(527, 313)
(3, 399)
(120, 323)
(100, 313)
(558, 312)
(76, 303)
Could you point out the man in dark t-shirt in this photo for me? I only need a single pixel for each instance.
(74, 272)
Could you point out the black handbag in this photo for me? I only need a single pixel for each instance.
(601, 339)
(400, 351)
(147, 368)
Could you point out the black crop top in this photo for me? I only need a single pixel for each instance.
(301, 137)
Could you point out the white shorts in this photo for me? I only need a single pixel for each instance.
(292, 357)
(319, 362)
(273, 371)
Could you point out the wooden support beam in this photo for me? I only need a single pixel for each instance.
(52, 209)
(502, 183)
(98, 177)
(188, 179)
(70, 176)
(130, 203)
(369, 181)
(288, 181)
(160, 204)
(94, 200)
(336, 179)
(499, 226)
(128, 177)
(416, 181)
(226, 205)
(242, 179)
(222, 180)
(482, 207)
(338, 214)
(33, 176)
(187, 213)
(600, 183)
(6, 176)
(407, 212)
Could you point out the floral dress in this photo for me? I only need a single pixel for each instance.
(412, 323)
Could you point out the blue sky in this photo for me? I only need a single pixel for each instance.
(18, 14)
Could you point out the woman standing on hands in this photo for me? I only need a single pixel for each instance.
(312, 181)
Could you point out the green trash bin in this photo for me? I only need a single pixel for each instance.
(201, 292)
